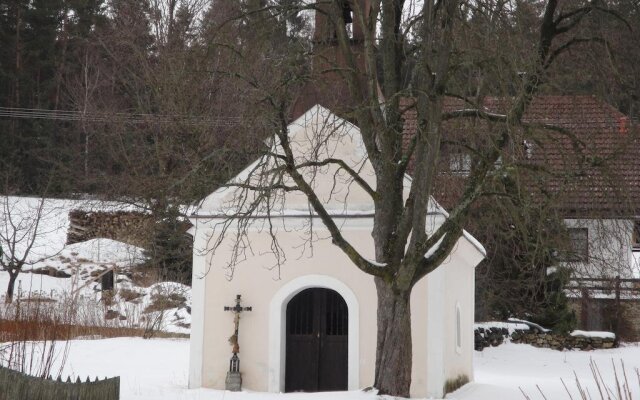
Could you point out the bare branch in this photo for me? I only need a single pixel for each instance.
(336, 235)
(343, 165)
(568, 45)
(268, 188)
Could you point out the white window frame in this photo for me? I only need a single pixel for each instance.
(278, 322)
(574, 254)
(460, 163)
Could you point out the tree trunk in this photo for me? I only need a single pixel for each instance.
(10, 287)
(393, 351)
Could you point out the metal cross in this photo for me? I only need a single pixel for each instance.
(234, 364)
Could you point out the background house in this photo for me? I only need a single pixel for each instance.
(585, 159)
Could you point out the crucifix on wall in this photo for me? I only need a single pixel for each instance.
(234, 379)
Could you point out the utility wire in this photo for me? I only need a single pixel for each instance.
(65, 115)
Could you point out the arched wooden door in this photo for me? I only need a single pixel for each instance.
(317, 345)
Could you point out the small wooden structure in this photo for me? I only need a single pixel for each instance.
(607, 304)
(106, 278)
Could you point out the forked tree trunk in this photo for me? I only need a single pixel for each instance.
(393, 351)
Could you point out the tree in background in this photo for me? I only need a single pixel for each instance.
(24, 226)
(38, 45)
(520, 277)
(513, 281)
(171, 251)
(175, 126)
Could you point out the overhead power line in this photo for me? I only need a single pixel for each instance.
(65, 115)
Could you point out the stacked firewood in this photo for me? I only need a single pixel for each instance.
(126, 226)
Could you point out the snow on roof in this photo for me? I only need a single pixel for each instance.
(475, 242)
(435, 247)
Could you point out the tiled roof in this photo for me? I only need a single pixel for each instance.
(602, 177)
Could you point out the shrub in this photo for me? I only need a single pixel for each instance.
(453, 384)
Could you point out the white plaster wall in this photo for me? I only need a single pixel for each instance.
(198, 290)
(315, 136)
(257, 281)
(435, 335)
(460, 290)
(610, 251)
(419, 332)
(451, 284)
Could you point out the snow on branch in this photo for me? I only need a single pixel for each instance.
(474, 112)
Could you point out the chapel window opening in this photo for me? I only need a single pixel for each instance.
(458, 329)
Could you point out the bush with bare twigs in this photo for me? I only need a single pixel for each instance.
(619, 389)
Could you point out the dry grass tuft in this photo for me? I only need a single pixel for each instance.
(620, 389)
(451, 385)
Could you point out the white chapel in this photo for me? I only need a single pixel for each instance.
(312, 323)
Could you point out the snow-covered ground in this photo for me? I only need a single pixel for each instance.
(78, 262)
(157, 369)
(132, 307)
(67, 272)
(17, 214)
(501, 371)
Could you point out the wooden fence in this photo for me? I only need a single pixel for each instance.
(603, 303)
(18, 386)
(617, 287)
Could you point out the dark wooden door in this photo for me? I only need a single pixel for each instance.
(317, 345)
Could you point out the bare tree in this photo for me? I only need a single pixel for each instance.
(24, 226)
(385, 58)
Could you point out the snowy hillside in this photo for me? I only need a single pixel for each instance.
(59, 273)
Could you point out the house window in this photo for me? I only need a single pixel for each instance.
(460, 163)
(347, 13)
(635, 237)
(579, 245)
(347, 16)
(498, 163)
